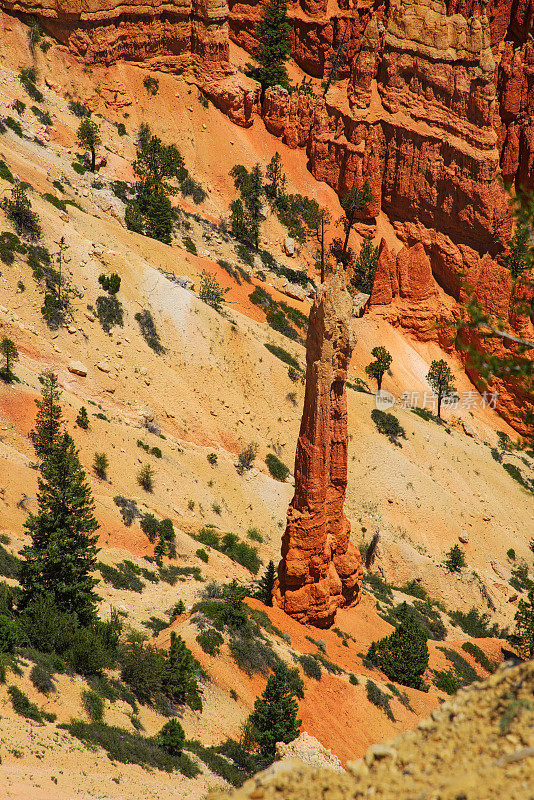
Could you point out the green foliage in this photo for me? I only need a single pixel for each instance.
(414, 589)
(19, 107)
(276, 467)
(517, 260)
(189, 187)
(445, 681)
(149, 332)
(273, 48)
(523, 636)
(520, 579)
(78, 109)
(274, 718)
(5, 173)
(9, 634)
(121, 129)
(79, 168)
(190, 246)
(93, 704)
(45, 119)
(82, 420)
(463, 671)
(145, 478)
(212, 458)
(475, 624)
(8, 350)
(28, 79)
(14, 125)
(354, 680)
(245, 459)
(63, 550)
(210, 292)
(100, 466)
(110, 283)
(210, 641)
(19, 209)
(389, 425)
(377, 368)
(171, 738)
(22, 705)
(42, 679)
(311, 666)
(380, 588)
(123, 576)
(510, 553)
(479, 656)
(455, 559)
(441, 380)
(89, 138)
(130, 748)
(151, 84)
(283, 355)
(515, 473)
(128, 508)
(403, 655)
(426, 615)
(365, 266)
(379, 698)
(264, 591)
(202, 555)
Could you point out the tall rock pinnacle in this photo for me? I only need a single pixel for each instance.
(320, 568)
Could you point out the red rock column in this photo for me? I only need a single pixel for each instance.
(321, 569)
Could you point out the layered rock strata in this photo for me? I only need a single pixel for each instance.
(321, 569)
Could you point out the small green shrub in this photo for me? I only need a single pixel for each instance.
(189, 245)
(121, 577)
(82, 420)
(379, 698)
(511, 554)
(130, 748)
(149, 332)
(171, 738)
(22, 705)
(78, 109)
(354, 680)
(455, 559)
(42, 679)
(445, 681)
(276, 467)
(201, 553)
(479, 656)
(245, 459)
(79, 168)
(210, 641)
(93, 704)
(403, 655)
(310, 666)
(463, 671)
(110, 283)
(151, 84)
(100, 465)
(145, 478)
(389, 425)
(475, 624)
(212, 458)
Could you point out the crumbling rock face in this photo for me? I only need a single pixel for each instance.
(321, 569)
(106, 31)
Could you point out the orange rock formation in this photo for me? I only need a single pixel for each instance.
(321, 569)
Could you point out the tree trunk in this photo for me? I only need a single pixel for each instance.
(439, 405)
(93, 159)
(379, 382)
(322, 248)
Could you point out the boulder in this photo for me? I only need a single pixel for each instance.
(77, 368)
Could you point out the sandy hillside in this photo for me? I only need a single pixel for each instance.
(215, 389)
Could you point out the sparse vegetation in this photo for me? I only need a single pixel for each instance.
(403, 655)
(389, 425)
(100, 466)
(210, 292)
(149, 332)
(145, 478)
(455, 559)
(379, 698)
(276, 467)
(245, 459)
(377, 368)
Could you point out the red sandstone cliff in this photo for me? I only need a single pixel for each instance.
(321, 569)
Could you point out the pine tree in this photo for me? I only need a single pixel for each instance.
(62, 555)
(274, 718)
(8, 349)
(48, 422)
(356, 200)
(403, 655)
(171, 738)
(455, 559)
(523, 636)
(276, 186)
(441, 380)
(377, 368)
(517, 260)
(365, 266)
(179, 681)
(82, 420)
(266, 585)
(89, 137)
(273, 48)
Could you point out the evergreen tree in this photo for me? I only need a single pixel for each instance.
(238, 222)
(266, 584)
(19, 210)
(455, 559)
(523, 636)
(441, 380)
(48, 422)
(247, 216)
(82, 420)
(273, 48)
(8, 348)
(377, 368)
(276, 186)
(365, 266)
(403, 655)
(171, 738)
(179, 681)
(89, 138)
(274, 718)
(356, 200)
(62, 555)
(517, 259)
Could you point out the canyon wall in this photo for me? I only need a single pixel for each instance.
(321, 569)
(164, 33)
